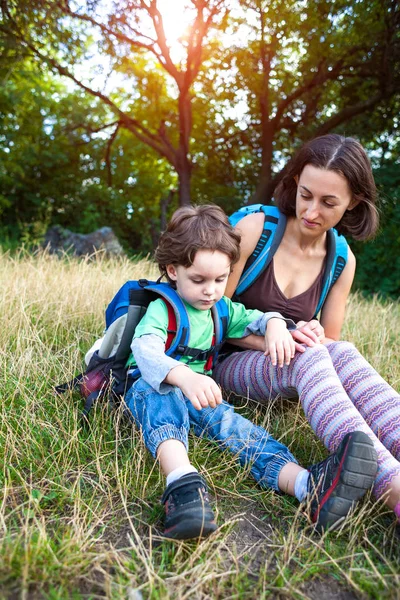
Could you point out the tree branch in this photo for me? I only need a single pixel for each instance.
(137, 128)
(347, 113)
(88, 128)
(158, 24)
(200, 29)
(320, 77)
(121, 37)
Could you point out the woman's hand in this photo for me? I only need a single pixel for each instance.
(310, 333)
(279, 343)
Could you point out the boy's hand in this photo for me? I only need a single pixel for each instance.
(279, 343)
(201, 390)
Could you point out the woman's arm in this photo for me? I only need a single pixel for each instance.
(333, 311)
(250, 342)
(250, 229)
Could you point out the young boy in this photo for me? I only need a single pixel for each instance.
(196, 253)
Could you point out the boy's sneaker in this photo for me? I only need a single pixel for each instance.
(339, 481)
(188, 512)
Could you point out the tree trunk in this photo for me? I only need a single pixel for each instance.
(264, 191)
(164, 205)
(157, 226)
(184, 175)
(266, 184)
(184, 166)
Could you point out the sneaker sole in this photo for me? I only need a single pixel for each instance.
(191, 529)
(357, 471)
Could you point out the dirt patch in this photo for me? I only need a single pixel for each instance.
(327, 589)
(252, 543)
(251, 536)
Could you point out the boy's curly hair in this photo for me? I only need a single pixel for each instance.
(193, 228)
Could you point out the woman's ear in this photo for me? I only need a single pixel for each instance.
(353, 203)
(171, 272)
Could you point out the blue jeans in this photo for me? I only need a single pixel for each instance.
(168, 416)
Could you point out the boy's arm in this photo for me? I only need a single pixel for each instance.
(148, 346)
(305, 334)
(201, 390)
(250, 342)
(259, 325)
(243, 321)
(152, 362)
(161, 371)
(278, 342)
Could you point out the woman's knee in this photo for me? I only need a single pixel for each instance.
(312, 353)
(340, 348)
(342, 345)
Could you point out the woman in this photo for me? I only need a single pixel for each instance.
(328, 184)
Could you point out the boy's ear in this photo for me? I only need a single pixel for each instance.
(171, 272)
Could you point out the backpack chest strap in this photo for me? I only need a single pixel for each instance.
(197, 353)
(181, 350)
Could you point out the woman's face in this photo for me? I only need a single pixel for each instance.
(322, 198)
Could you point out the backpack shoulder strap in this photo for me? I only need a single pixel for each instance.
(171, 327)
(243, 212)
(129, 306)
(178, 319)
(179, 345)
(271, 236)
(178, 328)
(220, 317)
(336, 261)
(221, 320)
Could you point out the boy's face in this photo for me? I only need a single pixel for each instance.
(203, 283)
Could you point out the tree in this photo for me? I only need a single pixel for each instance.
(132, 32)
(378, 262)
(308, 68)
(228, 113)
(57, 165)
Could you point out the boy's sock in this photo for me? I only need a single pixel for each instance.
(397, 511)
(300, 485)
(180, 472)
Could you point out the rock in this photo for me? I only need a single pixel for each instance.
(59, 240)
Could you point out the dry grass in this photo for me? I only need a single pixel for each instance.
(79, 512)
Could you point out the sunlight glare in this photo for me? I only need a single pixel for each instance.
(177, 16)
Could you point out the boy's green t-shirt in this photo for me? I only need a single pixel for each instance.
(155, 321)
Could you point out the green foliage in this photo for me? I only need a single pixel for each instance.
(271, 75)
(53, 169)
(378, 261)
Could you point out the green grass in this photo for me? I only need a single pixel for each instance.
(79, 510)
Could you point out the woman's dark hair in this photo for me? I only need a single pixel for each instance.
(347, 157)
(193, 228)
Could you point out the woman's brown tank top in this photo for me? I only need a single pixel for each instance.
(265, 295)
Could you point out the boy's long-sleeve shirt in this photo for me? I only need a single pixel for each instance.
(148, 345)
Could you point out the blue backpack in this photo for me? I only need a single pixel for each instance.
(106, 361)
(273, 230)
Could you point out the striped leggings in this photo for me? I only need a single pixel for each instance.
(338, 390)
